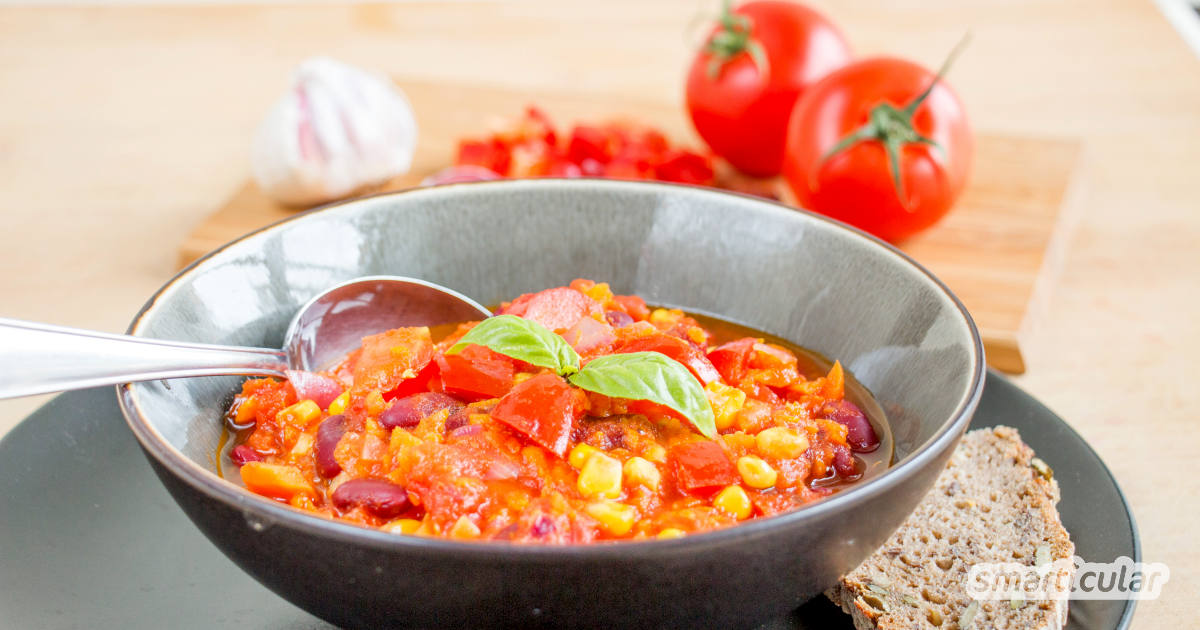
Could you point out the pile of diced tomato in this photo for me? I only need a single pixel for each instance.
(477, 445)
(534, 147)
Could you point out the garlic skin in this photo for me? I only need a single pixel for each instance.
(337, 130)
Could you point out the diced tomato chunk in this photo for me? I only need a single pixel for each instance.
(674, 347)
(557, 309)
(634, 306)
(476, 373)
(492, 155)
(685, 167)
(588, 142)
(769, 355)
(732, 359)
(701, 467)
(545, 409)
(414, 385)
(391, 357)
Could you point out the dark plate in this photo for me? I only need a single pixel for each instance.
(89, 538)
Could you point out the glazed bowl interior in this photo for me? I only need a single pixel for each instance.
(792, 274)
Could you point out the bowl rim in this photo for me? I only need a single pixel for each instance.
(270, 513)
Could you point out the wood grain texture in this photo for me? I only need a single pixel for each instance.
(123, 128)
(991, 250)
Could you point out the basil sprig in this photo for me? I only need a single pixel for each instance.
(523, 340)
(649, 376)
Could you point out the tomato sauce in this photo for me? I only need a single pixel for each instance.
(410, 437)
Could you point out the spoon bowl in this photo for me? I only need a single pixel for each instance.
(39, 358)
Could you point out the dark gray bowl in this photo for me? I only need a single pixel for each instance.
(806, 278)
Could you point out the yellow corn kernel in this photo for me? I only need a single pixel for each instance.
(600, 477)
(301, 413)
(464, 528)
(726, 401)
(403, 526)
(427, 528)
(662, 317)
(339, 404)
(303, 443)
(672, 532)
(656, 453)
(734, 501)
(521, 377)
(780, 443)
(643, 472)
(756, 473)
(616, 518)
(600, 292)
(375, 403)
(738, 441)
(580, 454)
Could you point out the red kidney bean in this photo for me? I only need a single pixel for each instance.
(617, 319)
(379, 497)
(242, 454)
(457, 419)
(849, 467)
(407, 412)
(859, 432)
(328, 435)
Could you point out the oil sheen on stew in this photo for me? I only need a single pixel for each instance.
(475, 445)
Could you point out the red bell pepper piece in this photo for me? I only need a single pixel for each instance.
(674, 347)
(545, 409)
(476, 373)
(701, 467)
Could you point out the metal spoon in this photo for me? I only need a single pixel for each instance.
(38, 358)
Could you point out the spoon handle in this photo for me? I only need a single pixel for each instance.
(38, 359)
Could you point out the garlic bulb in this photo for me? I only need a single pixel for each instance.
(338, 129)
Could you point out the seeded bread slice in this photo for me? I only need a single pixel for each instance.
(995, 502)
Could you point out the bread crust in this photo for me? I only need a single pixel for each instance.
(994, 502)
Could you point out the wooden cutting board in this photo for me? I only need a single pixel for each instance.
(999, 250)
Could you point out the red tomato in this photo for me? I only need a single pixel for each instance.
(476, 373)
(701, 467)
(390, 357)
(732, 359)
(544, 408)
(857, 183)
(740, 105)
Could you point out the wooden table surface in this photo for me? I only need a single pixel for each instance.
(121, 128)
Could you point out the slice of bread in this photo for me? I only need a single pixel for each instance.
(995, 502)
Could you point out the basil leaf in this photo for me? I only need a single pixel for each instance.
(650, 376)
(523, 340)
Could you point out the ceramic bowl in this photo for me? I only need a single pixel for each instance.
(794, 274)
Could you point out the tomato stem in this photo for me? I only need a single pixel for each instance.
(735, 36)
(893, 127)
